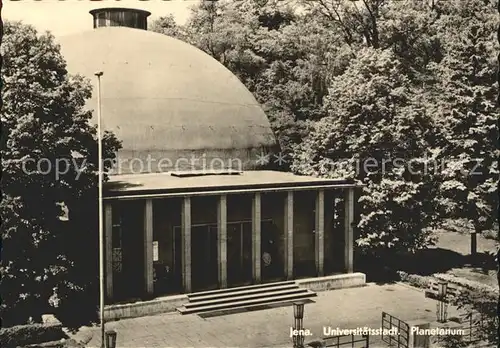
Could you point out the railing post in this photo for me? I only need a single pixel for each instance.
(390, 325)
(399, 330)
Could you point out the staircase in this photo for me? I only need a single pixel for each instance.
(245, 297)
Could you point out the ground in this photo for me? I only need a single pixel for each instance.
(345, 309)
(459, 243)
(451, 255)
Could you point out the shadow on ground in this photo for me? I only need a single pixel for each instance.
(425, 263)
(438, 260)
(430, 261)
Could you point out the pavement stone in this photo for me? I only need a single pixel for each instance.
(344, 308)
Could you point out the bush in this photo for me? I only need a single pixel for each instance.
(482, 304)
(467, 284)
(457, 225)
(375, 268)
(415, 280)
(22, 335)
(490, 234)
(475, 298)
(52, 344)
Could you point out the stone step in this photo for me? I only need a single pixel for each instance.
(248, 303)
(243, 291)
(254, 307)
(228, 290)
(244, 296)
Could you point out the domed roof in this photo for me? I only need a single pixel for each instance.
(165, 99)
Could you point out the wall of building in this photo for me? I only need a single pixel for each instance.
(128, 251)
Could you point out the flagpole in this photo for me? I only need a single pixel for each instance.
(101, 225)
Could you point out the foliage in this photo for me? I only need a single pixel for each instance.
(166, 25)
(467, 284)
(415, 280)
(284, 59)
(305, 57)
(382, 91)
(345, 82)
(467, 113)
(47, 262)
(403, 26)
(482, 305)
(22, 335)
(476, 299)
(491, 234)
(375, 134)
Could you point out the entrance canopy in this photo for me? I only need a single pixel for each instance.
(194, 183)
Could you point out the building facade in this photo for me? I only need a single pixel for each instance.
(169, 234)
(191, 205)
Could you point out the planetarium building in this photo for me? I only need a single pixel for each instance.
(195, 219)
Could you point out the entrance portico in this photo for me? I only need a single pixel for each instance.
(191, 232)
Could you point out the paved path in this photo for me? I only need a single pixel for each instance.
(345, 309)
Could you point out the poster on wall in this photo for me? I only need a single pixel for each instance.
(155, 251)
(117, 259)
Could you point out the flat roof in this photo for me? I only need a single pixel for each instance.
(164, 183)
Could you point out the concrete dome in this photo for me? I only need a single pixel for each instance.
(167, 100)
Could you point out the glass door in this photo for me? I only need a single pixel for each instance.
(239, 253)
(204, 270)
(128, 252)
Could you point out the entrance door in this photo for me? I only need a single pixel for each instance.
(204, 258)
(239, 253)
(272, 260)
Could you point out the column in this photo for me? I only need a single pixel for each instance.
(288, 230)
(319, 237)
(349, 230)
(222, 240)
(186, 244)
(108, 248)
(256, 238)
(148, 247)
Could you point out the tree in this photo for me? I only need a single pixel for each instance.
(278, 57)
(299, 64)
(467, 113)
(404, 26)
(229, 31)
(166, 25)
(408, 28)
(49, 162)
(378, 134)
(358, 20)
